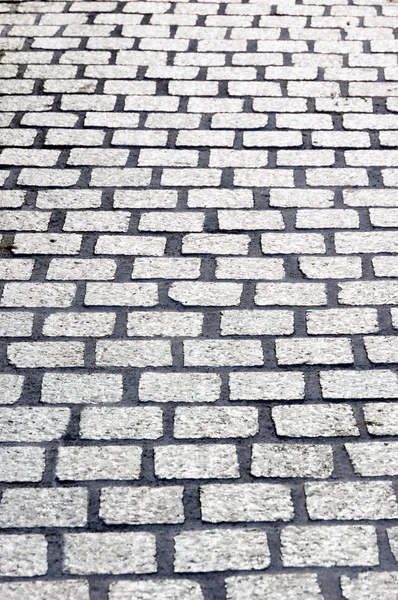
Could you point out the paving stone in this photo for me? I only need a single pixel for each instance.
(290, 294)
(121, 294)
(266, 386)
(179, 387)
(22, 463)
(165, 589)
(327, 546)
(206, 294)
(198, 294)
(224, 353)
(121, 423)
(366, 585)
(85, 388)
(133, 353)
(97, 462)
(142, 505)
(292, 460)
(226, 549)
(23, 555)
(314, 420)
(334, 267)
(46, 354)
(342, 320)
(256, 322)
(380, 418)
(196, 461)
(37, 295)
(273, 587)
(245, 502)
(358, 384)
(45, 507)
(255, 268)
(79, 324)
(215, 422)
(351, 500)
(110, 553)
(32, 423)
(166, 268)
(314, 351)
(10, 388)
(164, 324)
(40, 590)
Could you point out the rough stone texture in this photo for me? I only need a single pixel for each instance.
(41, 590)
(221, 550)
(196, 461)
(348, 545)
(142, 505)
(369, 585)
(166, 589)
(29, 507)
(22, 463)
(98, 462)
(273, 587)
(110, 553)
(215, 422)
(314, 420)
(179, 387)
(351, 500)
(121, 423)
(198, 300)
(245, 502)
(84, 388)
(372, 459)
(291, 460)
(23, 555)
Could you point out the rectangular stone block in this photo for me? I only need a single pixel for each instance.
(220, 550)
(121, 423)
(190, 461)
(215, 422)
(314, 420)
(22, 463)
(23, 555)
(224, 503)
(142, 506)
(133, 354)
(179, 387)
(43, 507)
(110, 553)
(322, 546)
(292, 460)
(98, 462)
(266, 386)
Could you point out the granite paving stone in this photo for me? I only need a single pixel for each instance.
(198, 299)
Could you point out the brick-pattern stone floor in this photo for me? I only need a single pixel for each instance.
(199, 307)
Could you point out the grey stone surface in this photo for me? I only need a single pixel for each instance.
(23, 555)
(366, 585)
(142, 505)
(177, 589)
(273, 587)
(245, 502)
(41, 590)
(198, 300)
(112, 553)
(292, 460)
(221, 550)
(30, 507)
(343, 545)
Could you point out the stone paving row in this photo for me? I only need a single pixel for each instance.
(199, 307)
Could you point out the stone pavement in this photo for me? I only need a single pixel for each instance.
(199, 310)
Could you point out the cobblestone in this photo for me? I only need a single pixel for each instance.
(198, 312)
